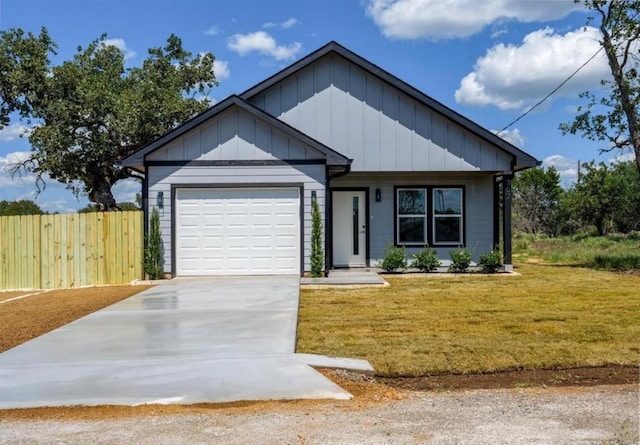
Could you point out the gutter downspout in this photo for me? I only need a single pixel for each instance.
(328, 234)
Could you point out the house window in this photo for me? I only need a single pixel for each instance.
(447, 216)
(412, 216)
(430, 215)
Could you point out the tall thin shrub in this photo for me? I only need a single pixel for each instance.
(153, 258)
(317, 254)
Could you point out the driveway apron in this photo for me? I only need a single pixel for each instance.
(187, 341)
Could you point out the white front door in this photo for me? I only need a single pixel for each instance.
(349, 229)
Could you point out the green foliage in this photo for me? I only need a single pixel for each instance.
(394, 258)
(460, 260)
(607, 197)
(121, 206)
(153, 255)
(613, 117)
(617, 262)
(22, 207)
(536, 199)
(317, 255)
(112, 110)
(426, 260)
(24, 64)
(490, 262)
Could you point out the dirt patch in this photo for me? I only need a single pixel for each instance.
(368, 392)
(27, 318)
(6, 295)
(608, 375)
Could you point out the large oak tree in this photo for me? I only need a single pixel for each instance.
(614, 117)
(92, 111)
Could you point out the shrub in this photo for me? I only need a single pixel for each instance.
(490, 262)
(426, 260)
(393, 259)
(460, 260)
(620, 262)
(317, 255)
(153, 249)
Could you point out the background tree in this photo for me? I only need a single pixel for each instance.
(24, 65)
(536, 197)
(22, 207)
(614, 118)
(607, 197)
(122, 206)
(92, 111)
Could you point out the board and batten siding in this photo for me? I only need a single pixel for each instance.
(231, 136)
(478, 216)
(160, 179)
(375, 124)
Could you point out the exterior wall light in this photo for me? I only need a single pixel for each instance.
(160, 200)
(378, 195)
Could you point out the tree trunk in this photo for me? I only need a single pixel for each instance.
(101, 195)
(617, 72)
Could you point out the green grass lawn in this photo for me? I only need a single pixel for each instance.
(611, 252)
(549, 317)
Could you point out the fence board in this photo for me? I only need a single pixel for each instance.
(51, 251)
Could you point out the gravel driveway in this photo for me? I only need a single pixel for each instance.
(590, 415)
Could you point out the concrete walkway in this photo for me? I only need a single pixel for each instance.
(187, 341)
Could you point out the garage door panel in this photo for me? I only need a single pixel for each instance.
(237, 231)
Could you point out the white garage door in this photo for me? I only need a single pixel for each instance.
(237, 231)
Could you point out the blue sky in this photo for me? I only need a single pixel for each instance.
(488, 60)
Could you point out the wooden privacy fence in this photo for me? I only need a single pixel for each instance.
(80, 249)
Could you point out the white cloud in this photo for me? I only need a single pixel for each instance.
(261, 42)
(567, 168)
(221, 69)
(122, 46)
(282, 25)
(7, 178)
(512, 77)
(512, 136)
(438, 19)
(212, 31)
(126, 189)
(13, 132)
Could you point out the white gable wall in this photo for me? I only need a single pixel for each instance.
(375, 124)
(231, 136)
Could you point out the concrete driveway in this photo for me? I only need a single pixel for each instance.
(186, 341)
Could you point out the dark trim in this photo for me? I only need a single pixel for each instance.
(522, 159)
(429, 216)
(332, 156)
(506, 216)
(238, 163)
(367, 216)
(145, 219)
(243, 186)
(496, 213)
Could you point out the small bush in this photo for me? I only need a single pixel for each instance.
(153, 255)
(426, 260)
(460, 260)
(617, 262)
(490, 262)
(317, 253)
(393, 259)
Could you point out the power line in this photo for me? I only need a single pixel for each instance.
(551, 93)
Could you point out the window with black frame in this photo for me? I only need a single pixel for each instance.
(417, 218)
(412, 216)
(447, 216)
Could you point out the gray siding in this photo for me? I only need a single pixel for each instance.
(231, 136)
(375, 124)
(478, 212)
(160, 178)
